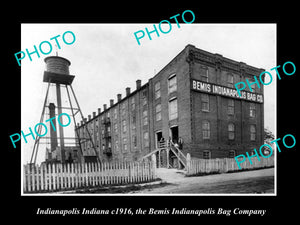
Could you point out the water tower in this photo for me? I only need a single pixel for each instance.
(57, 75)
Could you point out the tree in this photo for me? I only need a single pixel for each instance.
(268, 136)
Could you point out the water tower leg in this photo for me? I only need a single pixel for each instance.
(76, 130)
(61, 129)
(36, 143)
(85, 125)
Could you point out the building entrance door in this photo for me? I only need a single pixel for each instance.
(158, 137)
(174, 134)
(173, 160)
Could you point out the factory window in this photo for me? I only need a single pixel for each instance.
(145, 117)
(173, 109)
(146, 139)
(123, 109)
(206, 154)
(204, 74)
(230, 107)
(205, 102)
(125, 146)
(133, 104)
(144, 95)
(134, 140)
(133, 121)
(172, 83)
(205, 129)
(158, 112)
(116, 145)
(115, 113)
(157, 90)
(124, 126)
(252, 86)
(231, 131)
(252, 110)
(252, 132)
(116, 128)
(231, 153)
(230, 80)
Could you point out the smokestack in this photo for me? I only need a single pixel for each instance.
(94, 114)
(89, 116)
(111, 102)
(138, 84)
(99, 110)
(127, 91)
(119, 97)
(104, 107)
(53, 134)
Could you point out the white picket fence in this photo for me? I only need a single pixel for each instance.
(224, 165)
(57, 177)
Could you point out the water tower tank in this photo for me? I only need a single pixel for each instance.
(56, 64)
(57, 70)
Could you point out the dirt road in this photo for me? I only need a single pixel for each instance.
(256, 181)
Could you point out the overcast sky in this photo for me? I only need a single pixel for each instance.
(105, 58)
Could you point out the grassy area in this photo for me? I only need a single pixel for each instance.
(118, 189)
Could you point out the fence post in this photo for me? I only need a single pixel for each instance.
(37, 169)
(153, 159)
(188, 163)
(68, 175)
(130, 172)
(134, 171)
(76, 174)
(72, 175)
(86, 174)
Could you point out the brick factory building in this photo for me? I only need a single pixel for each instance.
(192, 100)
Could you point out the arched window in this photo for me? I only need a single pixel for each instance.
(205, 129)
(173, 109)
(231, 131)
(172, 83)
(205, 102)
(203, 74)
(230, 108)
(252, 132)
(206, 154)
(230, 80)
(252, 110)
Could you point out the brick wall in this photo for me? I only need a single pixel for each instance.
(219, 144)
(180, 67)
(189, 63)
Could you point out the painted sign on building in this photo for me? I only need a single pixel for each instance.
(210, 88)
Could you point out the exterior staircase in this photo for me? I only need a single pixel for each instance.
(172, 148)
